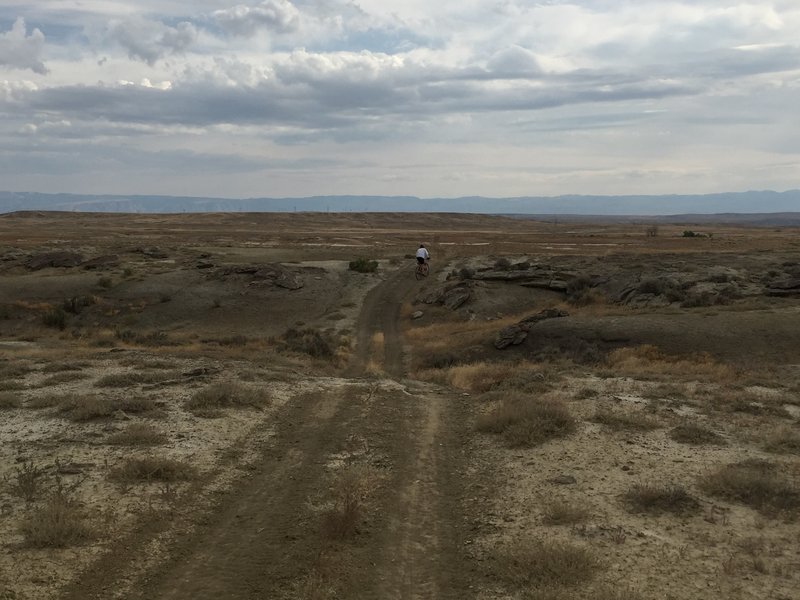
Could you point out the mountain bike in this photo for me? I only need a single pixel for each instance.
(422, 270)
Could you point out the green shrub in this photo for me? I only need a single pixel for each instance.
(363, 265)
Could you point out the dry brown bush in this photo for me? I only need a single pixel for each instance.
(630, 420)
(524, 421)
(784, 440)
(46, 401)
(482, 377)
(28, 482)
(60, 367)
(57, 524)
(561, 512)
(152, 468)
(351, 490)
(228, 394)
(64, 377)
(756, 483)
(745, 401)
(117, 380)
(528, 562)
(138, 434)
(649, 361)
(659, 498)
(12, 385)
(10, 400)
(85, 408)
(696, 435)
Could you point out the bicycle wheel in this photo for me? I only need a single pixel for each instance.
(421, 271)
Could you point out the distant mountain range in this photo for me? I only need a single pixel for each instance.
(732, 206)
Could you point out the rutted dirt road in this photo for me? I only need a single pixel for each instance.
(263, 540)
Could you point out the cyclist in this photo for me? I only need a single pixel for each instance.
(422, 254)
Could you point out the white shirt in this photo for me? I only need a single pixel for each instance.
(423, 253)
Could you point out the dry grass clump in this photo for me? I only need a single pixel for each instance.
(60, 367)
(227, 394)
(13, 369)
(152, 468)
(315, 343)
(628, 420)
(440, 345)
(138, 434)
(783, 440)
(755, 483)
(748, 402)
(480, 377)
(659, 498)
(696, 435)
(649, 361)
(12, 385)
(561, 512)
(63, 377)
(117, 380)
(46, 401)
(351, 490)
(85, 408)
(546, 563)
(10, 400)
(28, 481)
(58, 523)
(524, 421)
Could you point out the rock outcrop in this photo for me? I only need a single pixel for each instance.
(451, 296)
(273, 274)
(100, 262)
(518, 333)
(789, 287)
(60, 259)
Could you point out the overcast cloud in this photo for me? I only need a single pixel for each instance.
(305, 97)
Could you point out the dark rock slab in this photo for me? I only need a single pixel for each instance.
(59, 259)
(514, 335)
(100, 262)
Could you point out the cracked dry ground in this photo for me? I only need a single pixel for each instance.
(406, 442)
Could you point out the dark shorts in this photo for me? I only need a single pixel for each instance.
(420, 260)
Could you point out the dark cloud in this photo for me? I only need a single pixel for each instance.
(152, 40)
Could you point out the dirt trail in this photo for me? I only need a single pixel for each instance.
(263, 540)
(380, 313)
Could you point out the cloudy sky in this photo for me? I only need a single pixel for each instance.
(446, 98)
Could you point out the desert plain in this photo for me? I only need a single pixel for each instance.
(273, 406)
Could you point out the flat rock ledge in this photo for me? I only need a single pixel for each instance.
(518, 333)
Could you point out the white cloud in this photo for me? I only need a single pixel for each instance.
(594, 93)
(277, 16)
(22, 51)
